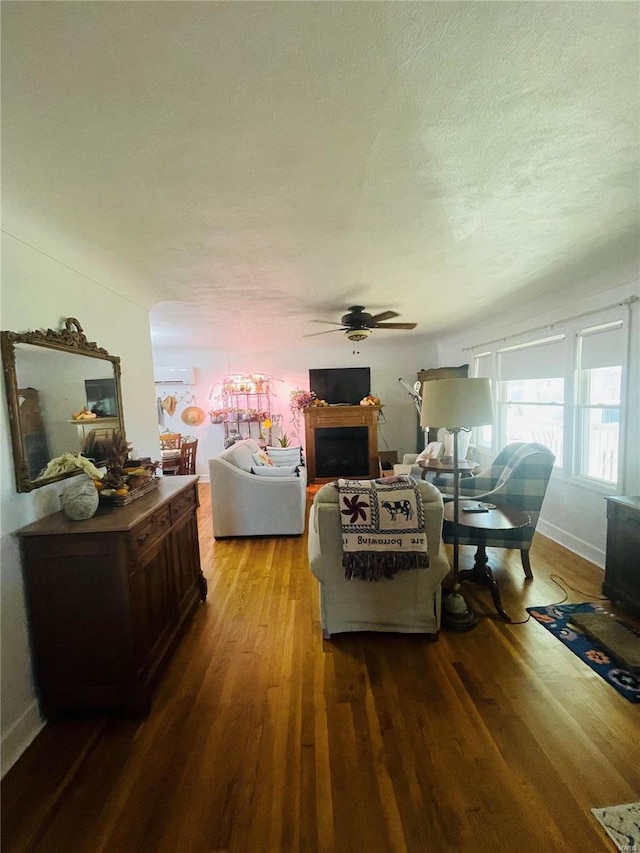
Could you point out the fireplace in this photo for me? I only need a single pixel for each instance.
(342, 452)
(341, 441)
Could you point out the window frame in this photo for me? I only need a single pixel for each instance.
(558, 339)
(572, 440)
(582, 408)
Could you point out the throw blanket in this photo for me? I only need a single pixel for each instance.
(382, 527)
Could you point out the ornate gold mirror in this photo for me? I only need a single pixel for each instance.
(63, 395)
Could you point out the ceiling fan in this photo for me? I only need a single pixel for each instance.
(357, 324)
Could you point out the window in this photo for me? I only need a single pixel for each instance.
(566, 391)
(600, 359)
(483, 368)
(532, 393)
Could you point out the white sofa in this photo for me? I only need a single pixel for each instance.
(245, 504)
(407, 603)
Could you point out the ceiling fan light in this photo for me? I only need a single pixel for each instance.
(357, 334)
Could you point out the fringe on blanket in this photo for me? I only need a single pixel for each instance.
(367, 565)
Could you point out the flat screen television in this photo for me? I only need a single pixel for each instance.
(101, 397)
(336, 385)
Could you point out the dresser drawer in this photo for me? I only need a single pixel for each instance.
(185, 502)
(150, 530)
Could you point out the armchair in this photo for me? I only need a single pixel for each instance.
(517, 477)
(407, 603)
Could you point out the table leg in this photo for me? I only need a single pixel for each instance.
(481, 573)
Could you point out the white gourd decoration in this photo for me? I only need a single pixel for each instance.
(80, 500)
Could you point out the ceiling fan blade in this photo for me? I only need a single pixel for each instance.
(327, 322)
(384, 315)
(327, 332)
(396, 325)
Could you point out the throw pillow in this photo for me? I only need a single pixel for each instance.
(261, 458)
(276, 471)
(433, 450)
(239, 455)
(285, 455)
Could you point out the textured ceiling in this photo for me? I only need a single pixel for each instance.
(256, 165)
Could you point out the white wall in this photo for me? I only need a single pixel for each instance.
(398, 431)
(38, 291)
(572, 514)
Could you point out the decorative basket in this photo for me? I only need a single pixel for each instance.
(130, 497)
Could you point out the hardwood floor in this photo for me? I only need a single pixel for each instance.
(265, 738)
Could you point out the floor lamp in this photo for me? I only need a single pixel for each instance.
(457, 405)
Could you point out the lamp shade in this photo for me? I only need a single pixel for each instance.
(456, 403)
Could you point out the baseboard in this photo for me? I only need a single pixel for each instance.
(572, 543)
(21, 734)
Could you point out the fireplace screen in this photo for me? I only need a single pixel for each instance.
(342, 452)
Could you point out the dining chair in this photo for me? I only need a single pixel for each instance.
(188, 457)
(170, 446)
(170, 441)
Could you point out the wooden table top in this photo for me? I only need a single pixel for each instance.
(499, 518)
(110, 519)
(447, 467)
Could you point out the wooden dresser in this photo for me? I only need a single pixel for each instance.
(622, 569)
(108, 598)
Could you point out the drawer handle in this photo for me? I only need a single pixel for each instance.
(162, 522)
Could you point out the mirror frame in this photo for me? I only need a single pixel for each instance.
(70, 339)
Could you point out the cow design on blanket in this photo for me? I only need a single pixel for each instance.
(382, 527)
(395, 507)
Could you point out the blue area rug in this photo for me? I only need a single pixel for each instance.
(622, 825)
(557, 620)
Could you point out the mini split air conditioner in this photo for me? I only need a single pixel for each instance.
(175, 375)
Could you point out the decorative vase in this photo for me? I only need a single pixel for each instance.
(80, 500)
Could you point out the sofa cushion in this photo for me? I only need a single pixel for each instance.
(285, 455)
(276, 471)
(240, 455)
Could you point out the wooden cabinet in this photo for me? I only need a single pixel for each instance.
(622, 570)
(430, 375)
(341, 441)
(109, 597)
(34, 437)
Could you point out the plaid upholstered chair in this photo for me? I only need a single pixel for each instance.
(517, 477)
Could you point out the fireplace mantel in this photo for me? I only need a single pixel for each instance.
(319, 419)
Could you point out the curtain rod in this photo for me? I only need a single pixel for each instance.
(628, 301)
